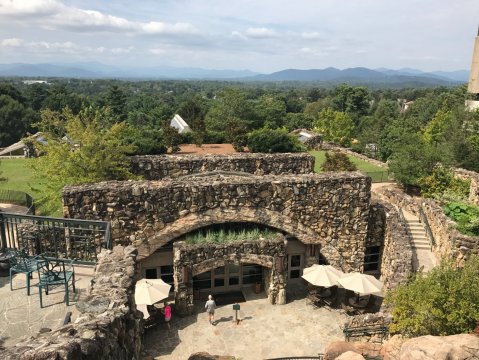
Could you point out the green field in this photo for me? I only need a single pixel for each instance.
(378, 174)
(20, 177)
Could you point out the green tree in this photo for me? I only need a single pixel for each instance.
(335, 126)
(61, 97)
(271, 111)
(90, 153)
(116, 100)
(267, 140)
(337, 161)
(15, 120)
(436, 130)
(444, 301)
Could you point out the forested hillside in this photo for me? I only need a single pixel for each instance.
(434, 128)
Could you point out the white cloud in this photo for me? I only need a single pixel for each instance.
(29, 7)
(314, 35)
(52, 14)
(157, 51)
(260, 33)
(12, 42)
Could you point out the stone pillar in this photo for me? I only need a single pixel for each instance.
(275, 279)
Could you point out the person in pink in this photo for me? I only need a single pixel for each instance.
(167, 312)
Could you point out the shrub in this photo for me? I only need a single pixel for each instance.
(442, 184)
(267, 140)
(337, 161)
(466, 216)
(443, 302)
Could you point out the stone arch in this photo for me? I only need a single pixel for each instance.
(198, 220)
(210, 264)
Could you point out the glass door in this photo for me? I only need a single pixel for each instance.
(295, 267)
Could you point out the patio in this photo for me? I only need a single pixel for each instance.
(21, 315)
(266, 331)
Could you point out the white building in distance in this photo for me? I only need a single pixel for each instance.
(179, 124)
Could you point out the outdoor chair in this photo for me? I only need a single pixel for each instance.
(53, 272)
(20, 262)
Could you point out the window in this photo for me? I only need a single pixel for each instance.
(371, 258)
(166, 272)
(151, 274)
(252, 274)
(202, 281)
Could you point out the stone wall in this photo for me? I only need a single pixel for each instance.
(397, 256)
(330, 209)
(108, 328)
(448, 241)
(191, 260)
(473, 177)
(156, 167)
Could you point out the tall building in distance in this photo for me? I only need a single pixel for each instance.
(472, 102)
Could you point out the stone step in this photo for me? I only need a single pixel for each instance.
(421, 247)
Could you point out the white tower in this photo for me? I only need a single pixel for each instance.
(473, 88)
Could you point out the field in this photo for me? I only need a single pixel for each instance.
(20, 177)
(378, 174)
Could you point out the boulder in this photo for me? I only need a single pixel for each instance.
(453, 347)
(350, 355)
(337, 348)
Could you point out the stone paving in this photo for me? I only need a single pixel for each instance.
(265, 331)
(21, 315)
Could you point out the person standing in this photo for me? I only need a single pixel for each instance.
(210, 307)
(167, 312)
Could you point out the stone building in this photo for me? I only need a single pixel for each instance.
(472, 103)
(318, 218)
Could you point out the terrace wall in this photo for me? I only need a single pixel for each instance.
(156, 167)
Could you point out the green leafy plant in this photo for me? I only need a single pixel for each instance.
(465, 215)
(267, 140)
(443, 302)
(226, 234)
(441, 184)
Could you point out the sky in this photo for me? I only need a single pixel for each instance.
(259, 35)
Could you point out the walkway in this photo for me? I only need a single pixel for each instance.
(13, 209)
(21, 315)
(422, 254)
(266, 331)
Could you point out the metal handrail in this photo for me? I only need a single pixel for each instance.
(18, 198)
(423, 219)
(78, 240)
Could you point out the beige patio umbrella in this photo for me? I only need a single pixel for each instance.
(362, 284)
(149, 292)
(322, 275)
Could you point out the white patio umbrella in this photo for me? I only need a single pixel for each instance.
(149, 292)
(322, 275)
(362, 284)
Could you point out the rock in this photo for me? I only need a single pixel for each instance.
(336, 348)
(392, 347)
(206, 356)
(457, 347)
(350, 355)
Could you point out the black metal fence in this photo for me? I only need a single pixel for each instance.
(18, 198)
(80, 240)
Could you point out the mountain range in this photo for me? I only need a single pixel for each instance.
(357, 75)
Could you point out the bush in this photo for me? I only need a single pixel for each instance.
(273, 141)
(442, 184)
(443, 302)
(466, 216)
(337, 161)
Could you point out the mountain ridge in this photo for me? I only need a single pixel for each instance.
(329, 74)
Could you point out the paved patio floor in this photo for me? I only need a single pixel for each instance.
(266, 331)
(21, 315)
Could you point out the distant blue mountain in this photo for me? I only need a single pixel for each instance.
(358, 75)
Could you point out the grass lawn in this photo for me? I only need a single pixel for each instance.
(377, 173)
(20, 177)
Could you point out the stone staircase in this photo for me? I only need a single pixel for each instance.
(422, 254)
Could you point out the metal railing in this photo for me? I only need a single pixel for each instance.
(18, 198)
(379, 176)
(79, 240)
(423, 219)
